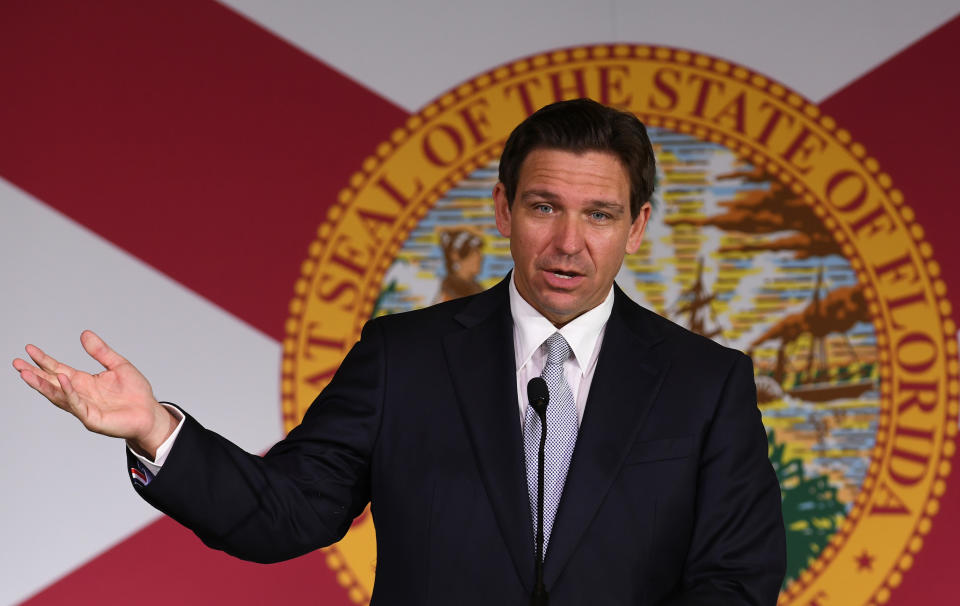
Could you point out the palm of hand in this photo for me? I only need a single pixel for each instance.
(115, 402)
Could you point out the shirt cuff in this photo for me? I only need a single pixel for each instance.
(164, 449)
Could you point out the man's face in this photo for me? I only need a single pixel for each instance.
(569, 229)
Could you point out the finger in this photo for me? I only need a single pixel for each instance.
(30, 377)
(100, 351)
(46, 362)
(47, 389)
(21, 365)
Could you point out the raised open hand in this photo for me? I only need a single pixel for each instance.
(117, 402)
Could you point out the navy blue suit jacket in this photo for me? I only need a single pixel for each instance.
(670, 497)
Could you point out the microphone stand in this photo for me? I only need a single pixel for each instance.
(539, 596)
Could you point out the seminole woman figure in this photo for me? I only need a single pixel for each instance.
(463, 256)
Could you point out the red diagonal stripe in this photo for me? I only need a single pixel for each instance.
(165, 565)
(904, 113)
(185, 134)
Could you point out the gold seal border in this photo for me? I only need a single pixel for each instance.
(747, 151)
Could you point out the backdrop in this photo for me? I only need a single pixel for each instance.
(182, 176)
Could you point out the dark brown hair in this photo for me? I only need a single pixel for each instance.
(578, 126)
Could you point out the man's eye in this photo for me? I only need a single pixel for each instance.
(543, 208)
(599, 216)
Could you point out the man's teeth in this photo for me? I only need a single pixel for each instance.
(564, 276)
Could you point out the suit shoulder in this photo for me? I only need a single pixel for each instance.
(435, 319)
(679, 343)
(442, 318)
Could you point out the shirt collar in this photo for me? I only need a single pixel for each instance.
(531, 329)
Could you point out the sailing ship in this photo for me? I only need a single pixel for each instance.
(819, 380)
(694, 308)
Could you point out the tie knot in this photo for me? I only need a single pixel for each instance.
(558, 350)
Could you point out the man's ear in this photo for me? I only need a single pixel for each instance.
(637, 228)
(501, 209)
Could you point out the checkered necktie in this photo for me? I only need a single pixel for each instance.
(562, 428)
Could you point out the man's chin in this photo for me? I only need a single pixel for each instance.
(561, 308)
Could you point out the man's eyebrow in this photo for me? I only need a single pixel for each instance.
(540, 194)
(615, 207)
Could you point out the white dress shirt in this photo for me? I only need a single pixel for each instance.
(584, 334)
(530, 329)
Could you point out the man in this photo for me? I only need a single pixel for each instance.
(658, 486)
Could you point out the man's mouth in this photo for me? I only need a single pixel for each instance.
(561, 275)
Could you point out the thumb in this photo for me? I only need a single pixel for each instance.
(100, 351)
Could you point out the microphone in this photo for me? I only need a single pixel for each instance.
(539, 396)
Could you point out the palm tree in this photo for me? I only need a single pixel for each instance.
(811, 511)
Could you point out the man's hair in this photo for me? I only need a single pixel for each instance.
(579, 126)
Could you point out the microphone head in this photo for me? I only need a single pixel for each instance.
(537, 393)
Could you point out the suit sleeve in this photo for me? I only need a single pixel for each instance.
(304, 493)
(737, 554)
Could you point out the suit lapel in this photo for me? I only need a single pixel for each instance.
(481, 362)
(625, 384)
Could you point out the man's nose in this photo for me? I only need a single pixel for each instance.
(568, 235)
